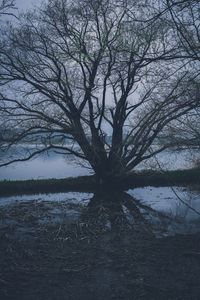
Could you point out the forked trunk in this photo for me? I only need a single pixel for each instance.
(110, 176)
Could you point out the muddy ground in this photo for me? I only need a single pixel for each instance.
(57, 251)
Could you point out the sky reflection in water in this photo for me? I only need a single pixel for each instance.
(180, 219)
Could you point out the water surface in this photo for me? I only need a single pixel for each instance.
(167, 214)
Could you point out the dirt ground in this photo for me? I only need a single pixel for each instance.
(43, 257)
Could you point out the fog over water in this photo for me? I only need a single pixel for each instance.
(42, 167)
(58, 166)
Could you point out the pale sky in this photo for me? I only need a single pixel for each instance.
(25, 4)
(22, 5)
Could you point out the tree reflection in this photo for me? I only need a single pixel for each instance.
(115, 211)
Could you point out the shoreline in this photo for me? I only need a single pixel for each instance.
(88, 184)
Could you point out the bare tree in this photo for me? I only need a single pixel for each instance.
(76, 71)
(185, 16)
(184, 133)
(6, 7)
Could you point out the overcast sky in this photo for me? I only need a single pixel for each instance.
(24, 4)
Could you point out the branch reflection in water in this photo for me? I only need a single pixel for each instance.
(117, 212)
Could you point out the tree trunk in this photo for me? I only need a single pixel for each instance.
(109, 176)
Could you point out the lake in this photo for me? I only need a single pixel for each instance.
(57, 166)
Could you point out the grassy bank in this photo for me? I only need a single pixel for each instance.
(87, 183)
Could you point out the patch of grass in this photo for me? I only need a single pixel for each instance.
(88, 183)
(168, 178)
(82, 184)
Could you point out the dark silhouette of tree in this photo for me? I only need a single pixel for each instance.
(88, 78)
(185, 15)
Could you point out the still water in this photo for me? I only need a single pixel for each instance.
(159, 206)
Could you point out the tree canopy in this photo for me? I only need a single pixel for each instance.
(98, 80)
